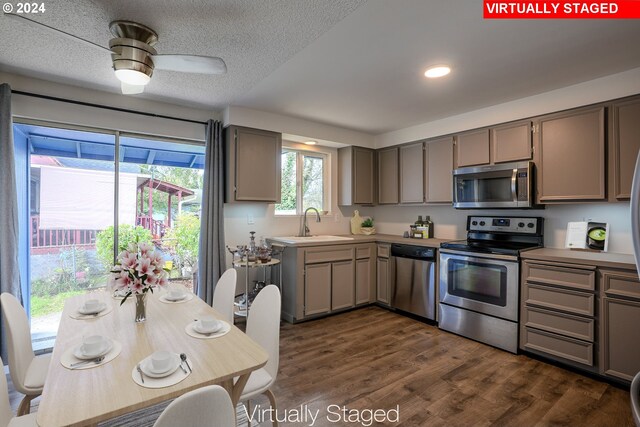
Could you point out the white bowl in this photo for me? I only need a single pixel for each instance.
(161, 361)
(93, 344)
(91, 305)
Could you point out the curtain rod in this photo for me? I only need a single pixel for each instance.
(89, 104)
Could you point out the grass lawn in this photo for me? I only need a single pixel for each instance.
(41, 306)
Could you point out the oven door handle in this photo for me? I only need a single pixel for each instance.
(480, 255)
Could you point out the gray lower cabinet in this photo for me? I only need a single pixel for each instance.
(252, 165)
(365, 280)
(620, 317)
(342, 285)
(317, 289)
(558, 309)
(320, 280)
(383, 272)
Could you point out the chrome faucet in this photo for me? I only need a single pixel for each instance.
(304, 229)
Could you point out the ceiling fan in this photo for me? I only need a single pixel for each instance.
(135, 59)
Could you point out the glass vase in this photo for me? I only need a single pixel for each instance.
(141, 307)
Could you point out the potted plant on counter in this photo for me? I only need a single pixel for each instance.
(367, 227)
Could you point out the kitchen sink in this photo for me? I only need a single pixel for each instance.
(310, 239)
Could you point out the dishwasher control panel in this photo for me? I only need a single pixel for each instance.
(413, 251)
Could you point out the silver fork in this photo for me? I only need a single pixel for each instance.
(140, 372)
(97, 361)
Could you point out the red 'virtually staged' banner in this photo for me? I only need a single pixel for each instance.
(562, 9)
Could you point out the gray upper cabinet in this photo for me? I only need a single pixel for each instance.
(356, 176)
(572, 156)
(625, 143)
(388, 188)
(511, 142)
(411, 173)
(472, 148)
(253, 165)
(438, 176)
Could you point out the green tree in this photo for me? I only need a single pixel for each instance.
(184, 239)
(288, 192)
(312, 182)
(126, 234)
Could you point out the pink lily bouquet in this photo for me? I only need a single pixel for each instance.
(138, 270)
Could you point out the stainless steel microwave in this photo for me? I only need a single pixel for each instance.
(508, 185)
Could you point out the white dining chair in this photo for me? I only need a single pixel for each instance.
(225, 293)
(206, 406)
(28, 372)
(635, 399)
(6, 415)
(263, 326)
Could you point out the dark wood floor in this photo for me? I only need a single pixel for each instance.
(372, 358)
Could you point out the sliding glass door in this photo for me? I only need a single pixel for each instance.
(161, 187)
(84, 188)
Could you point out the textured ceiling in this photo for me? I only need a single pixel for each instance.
(254, 37)
(348, 63)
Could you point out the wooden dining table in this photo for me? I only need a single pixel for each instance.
(83, 397)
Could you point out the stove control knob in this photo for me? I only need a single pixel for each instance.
(474, 222)
(521, 225)
(530, 225)
(482, 223)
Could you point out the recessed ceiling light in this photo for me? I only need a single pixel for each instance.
(437, 71)
(310, 142)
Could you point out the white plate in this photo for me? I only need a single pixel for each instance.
(101, 307)
(77, 353)
(168, 297)
(148, 370)
(197, 326)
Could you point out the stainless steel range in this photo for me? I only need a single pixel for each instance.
(479, 278)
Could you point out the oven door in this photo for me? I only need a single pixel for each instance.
(486, 283)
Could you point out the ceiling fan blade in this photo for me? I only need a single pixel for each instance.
(190, 64)
(37, 24)
(128, 89)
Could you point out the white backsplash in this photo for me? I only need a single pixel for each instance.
(450, 223)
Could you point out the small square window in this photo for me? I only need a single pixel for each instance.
(304, 182)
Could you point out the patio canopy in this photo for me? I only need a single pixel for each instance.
(48, 141)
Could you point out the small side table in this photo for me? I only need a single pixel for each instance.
(247, 266)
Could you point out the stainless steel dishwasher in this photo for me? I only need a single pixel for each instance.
(413, 280)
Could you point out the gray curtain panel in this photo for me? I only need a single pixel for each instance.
(211, 264)
(9, 268)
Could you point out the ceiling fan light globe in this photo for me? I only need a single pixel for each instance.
(132, 77)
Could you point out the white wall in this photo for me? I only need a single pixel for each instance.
(331, 135)
(450, 223)
(68, 113)
(590, 92)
